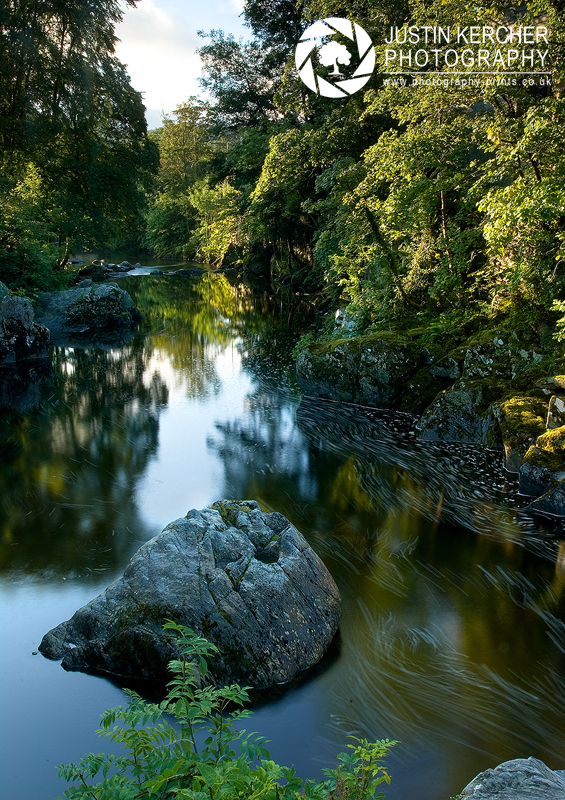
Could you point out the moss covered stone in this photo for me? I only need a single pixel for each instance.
(554, 384)
(544, 463)
(548, 451)
(100, 307)
(521, 420)
(372, 370)
(463, 413)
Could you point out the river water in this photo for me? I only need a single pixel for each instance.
(453, 631)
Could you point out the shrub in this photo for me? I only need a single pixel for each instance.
(166, 761)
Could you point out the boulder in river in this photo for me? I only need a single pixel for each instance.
(519, 779)
(246, 580)
(88, 309)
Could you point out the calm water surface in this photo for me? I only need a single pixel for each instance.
(453, 631)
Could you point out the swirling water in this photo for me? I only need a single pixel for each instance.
(453, 631)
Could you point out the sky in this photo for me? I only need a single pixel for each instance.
(158, 40)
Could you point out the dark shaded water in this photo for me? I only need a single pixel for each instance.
(453, 630)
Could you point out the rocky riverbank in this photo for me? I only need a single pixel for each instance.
(493, 390)
(519, 779)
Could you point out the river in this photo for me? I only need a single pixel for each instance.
(453, 631)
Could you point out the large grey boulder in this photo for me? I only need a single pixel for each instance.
(519, 779)
(246, 580)
(21, 339)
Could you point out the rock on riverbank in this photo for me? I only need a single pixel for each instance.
(21, 338)
(246, 580)
(489, 391)
(519, 779)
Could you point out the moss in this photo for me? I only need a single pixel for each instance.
(141, 614)
(225, 615)
(93, 310)
(485, 337)
(492, 390)
(354, 344)
(548, 451)
(229, 510)
(522, 420)
(551, 385)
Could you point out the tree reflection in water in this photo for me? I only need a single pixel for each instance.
(70, 465)
(453, 633)
(453, 607)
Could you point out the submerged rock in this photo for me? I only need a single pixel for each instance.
(519, 779)
(246, 580)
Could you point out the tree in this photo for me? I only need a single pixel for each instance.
(219, 230)
(333, 53)
(67, 108)
(240, 79)
(185, 146)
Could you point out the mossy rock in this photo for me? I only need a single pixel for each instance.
(521, 420)
(463, 413)
(372, 370)
(96, 309)
(421, 390)
(554, 384)
(548, 451)
(329, 370)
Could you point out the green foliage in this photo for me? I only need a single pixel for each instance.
(219, 230)
(27, 256)
(165, 760)
(75, 155)
(185, 146)
(169, 225)
(305, 340)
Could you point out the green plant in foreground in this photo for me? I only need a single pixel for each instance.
(166, 761)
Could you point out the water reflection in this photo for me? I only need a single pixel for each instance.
(453, 604)
(69, 465)
(453, 633)
(20, 385)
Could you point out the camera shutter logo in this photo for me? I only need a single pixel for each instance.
(333, 54)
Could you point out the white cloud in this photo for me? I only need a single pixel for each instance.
(159, 50)
(233, 5)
